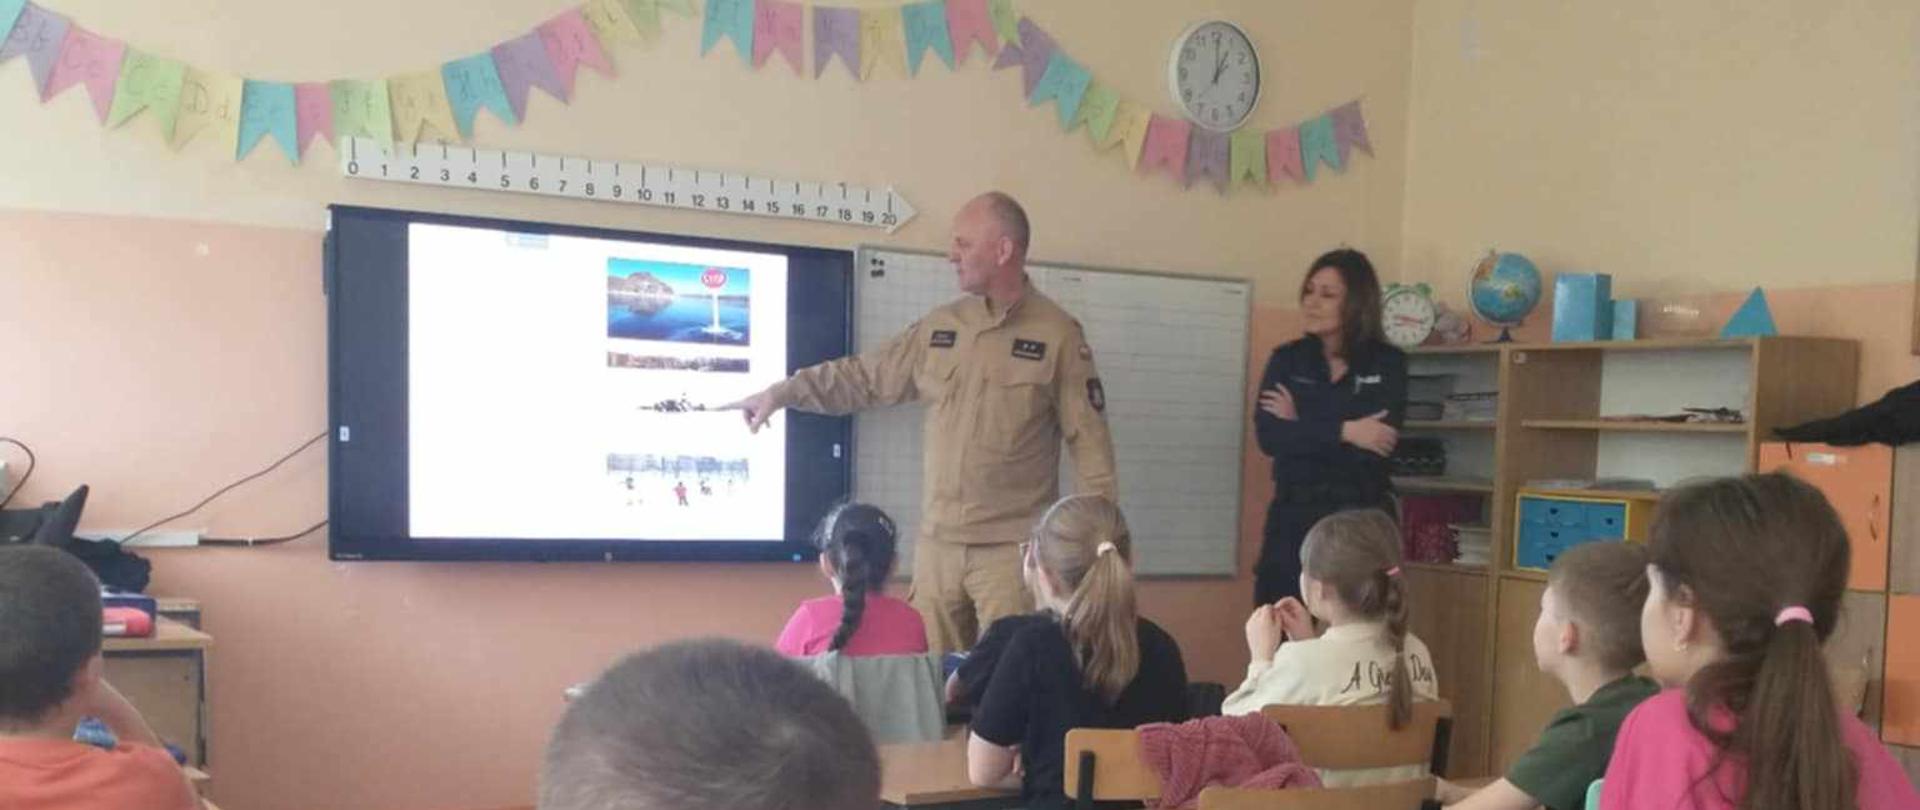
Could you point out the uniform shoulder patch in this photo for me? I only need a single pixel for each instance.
(1096, 394)
(1029, 349)
(944, 338)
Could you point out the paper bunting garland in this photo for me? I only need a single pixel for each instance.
(187, 103)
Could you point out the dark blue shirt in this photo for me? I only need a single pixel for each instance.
(1307, 452)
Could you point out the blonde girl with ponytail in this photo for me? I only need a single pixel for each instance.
(1351, 581)
(1095, 664)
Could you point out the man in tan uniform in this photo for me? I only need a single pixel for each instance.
(1006, 375)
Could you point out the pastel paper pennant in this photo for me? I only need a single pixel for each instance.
(268, 108)
(147, 82)
(38, 34)
(209, 102)
(779, 26)
(361, 109)
(523, 64)
(644, 15)
(313, 112)
(9, 14)
(728, 19)
(1033, 54)
(1317, 146)
(926, 28)
(1207, 158)
(473, 83)
(1248, 159)
(420, 108)
(1130, 122)
(880, 39)
(1350, 130)
(1065, 82)
(968, 22)
(1166, 146)
(1006, 23)
(90, 59)
(612, 22)
(1097, 107)
(1283, 155)
(570, 44)
(836, 31)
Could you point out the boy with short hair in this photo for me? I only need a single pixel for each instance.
(710, 725)
(49, 680)
(1588, 638)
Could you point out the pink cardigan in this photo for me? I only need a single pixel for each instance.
(1248, 751)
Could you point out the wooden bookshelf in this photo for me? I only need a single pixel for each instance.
(1549, 425)
(1449, 424)
(1648, 426)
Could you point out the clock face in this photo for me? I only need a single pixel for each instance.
(1215, 75)
(1407, 318)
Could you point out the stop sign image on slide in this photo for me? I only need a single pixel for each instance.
(714, 278)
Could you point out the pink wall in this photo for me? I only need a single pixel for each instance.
(158, 360)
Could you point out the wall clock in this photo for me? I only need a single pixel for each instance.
(1214, 74)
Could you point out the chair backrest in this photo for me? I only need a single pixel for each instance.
(1397, 796)
(1104, 764)
(1356, 737)
(900, 697)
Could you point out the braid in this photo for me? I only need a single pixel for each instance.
(1400, 694)
(853, 589)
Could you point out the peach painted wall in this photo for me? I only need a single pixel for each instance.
(157, 360)
(1693, 150)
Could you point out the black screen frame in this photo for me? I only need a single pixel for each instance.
(367, 444)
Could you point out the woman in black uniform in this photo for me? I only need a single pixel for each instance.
(1330, 410)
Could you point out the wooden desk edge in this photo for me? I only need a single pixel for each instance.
(167, 635)
(951, 752)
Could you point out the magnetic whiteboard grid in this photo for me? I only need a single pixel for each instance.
(1172, 353)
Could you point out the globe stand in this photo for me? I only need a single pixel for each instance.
(1506, 336)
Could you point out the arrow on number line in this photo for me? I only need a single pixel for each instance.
(900, 208)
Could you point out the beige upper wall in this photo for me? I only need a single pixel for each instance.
(1681, 146)
(940, 138)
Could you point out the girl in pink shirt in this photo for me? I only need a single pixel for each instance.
(1747, 575)
(856, 543)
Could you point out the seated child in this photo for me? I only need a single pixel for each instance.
(1095, 663)
(1351, 580)
(1744, 586)
(856, 543)
(709, 725)
(1587, 638)
(50, 680)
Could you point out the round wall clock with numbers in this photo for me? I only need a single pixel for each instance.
(1214, 74)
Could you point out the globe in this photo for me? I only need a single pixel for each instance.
(1503, 289)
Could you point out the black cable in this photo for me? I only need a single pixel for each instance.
(262, 541)
(228, 488)
(23, 476)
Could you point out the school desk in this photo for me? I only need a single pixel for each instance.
(933, 776)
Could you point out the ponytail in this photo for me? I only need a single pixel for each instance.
(1736, 549)
(858, 541)
(1103, 624)
(1790, 727)
(1083, 543)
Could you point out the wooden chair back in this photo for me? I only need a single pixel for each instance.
(1104, 765)
(1397, 796)
(1354, 737)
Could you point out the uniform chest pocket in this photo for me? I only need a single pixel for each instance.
(1016, 408)
(934, 377)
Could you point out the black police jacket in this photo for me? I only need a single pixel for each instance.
(1310, 462)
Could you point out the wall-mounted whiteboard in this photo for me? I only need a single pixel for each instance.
(1172, 353)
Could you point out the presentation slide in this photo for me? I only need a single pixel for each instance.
(568, 387)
